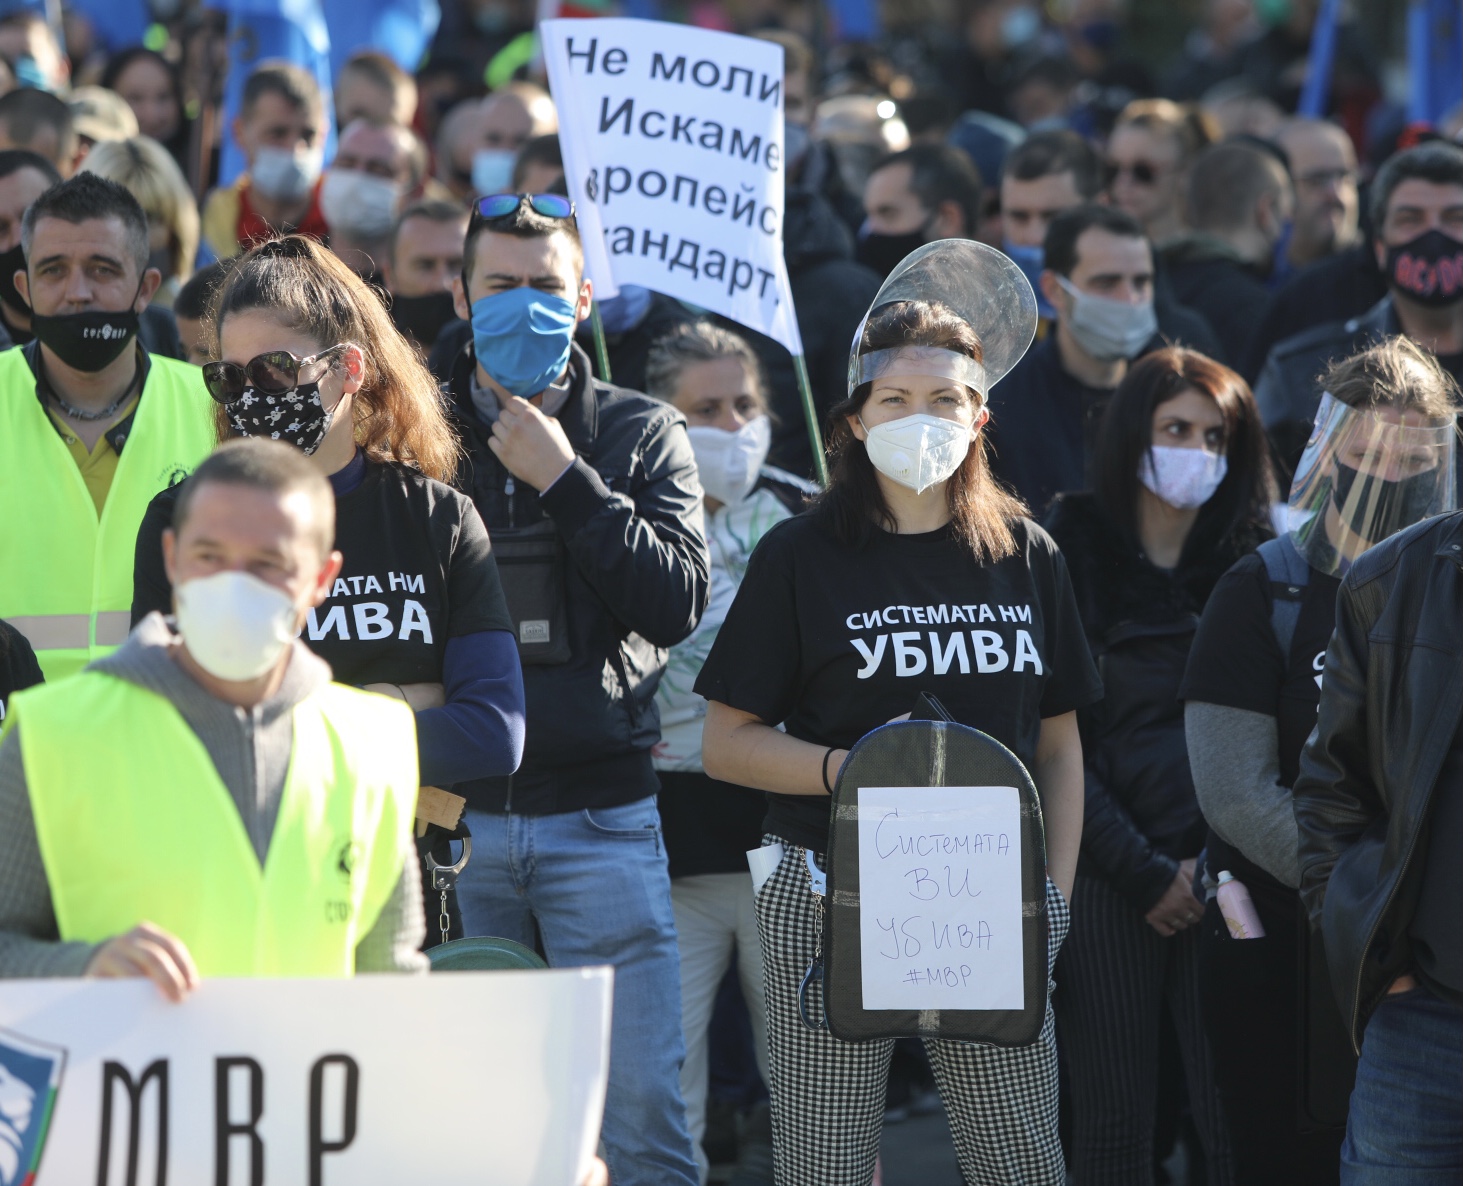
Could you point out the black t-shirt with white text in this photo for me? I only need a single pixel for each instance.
(1236, 662)
(832, 641)
(418, 570)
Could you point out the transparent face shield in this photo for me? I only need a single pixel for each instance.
(1366, 474)
(981, 286)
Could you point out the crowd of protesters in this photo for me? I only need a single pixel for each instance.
(601, 575)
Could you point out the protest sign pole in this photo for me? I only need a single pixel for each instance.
(810, 413)
(601, 351)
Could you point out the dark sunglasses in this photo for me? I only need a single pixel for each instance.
(276, 372)
(1141, 171)
(502, 205)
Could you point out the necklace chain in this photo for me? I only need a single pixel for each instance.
(78, 414)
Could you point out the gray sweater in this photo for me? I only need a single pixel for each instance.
(250, 749)
(1234, 756)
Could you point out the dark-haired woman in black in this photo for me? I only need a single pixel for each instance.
(1182, 489)
(912, 523)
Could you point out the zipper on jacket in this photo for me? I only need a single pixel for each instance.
(508, 802)
(508, 494)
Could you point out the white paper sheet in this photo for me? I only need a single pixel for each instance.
(940, 897)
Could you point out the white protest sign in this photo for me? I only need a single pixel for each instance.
(940, 897)
(673, 151)
(489, 1078)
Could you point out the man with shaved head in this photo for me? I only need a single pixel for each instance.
(378, 169)
(479, 139)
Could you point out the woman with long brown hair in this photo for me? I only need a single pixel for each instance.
(1182, 490)
(914, 573)
(306, 353)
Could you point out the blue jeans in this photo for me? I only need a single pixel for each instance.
(1405, 1126)
(596, 883)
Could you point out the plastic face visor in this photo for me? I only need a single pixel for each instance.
(1366, 474)
(932, 361)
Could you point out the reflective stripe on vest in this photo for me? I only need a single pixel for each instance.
(49, 632)
(59, 565)
(134, 824)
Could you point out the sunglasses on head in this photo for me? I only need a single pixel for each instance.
(1142, 172)
(276, 372)
(502, 205)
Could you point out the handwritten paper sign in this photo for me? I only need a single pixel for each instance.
(673, 150)
(940, 897)
(488, 1078)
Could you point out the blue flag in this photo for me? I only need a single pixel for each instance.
(401, 28)
(261, 29)
(1434, 58)
(119, 24)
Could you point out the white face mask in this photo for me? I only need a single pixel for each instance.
(729, 462)
(235, 625)
(358, 203)
(492, 170)
(286, 176)
(1108, 329)
(918, 451)
(1183, 478)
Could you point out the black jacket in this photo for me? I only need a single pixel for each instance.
(634, 574)
(1043, 427)
(1206, 275)
(1289, 388)
(1337, 288)
(1390, 707)
(1142, 817)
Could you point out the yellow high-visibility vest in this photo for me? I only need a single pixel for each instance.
(135, 825)
(65, 576)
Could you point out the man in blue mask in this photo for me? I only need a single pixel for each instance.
(590, 495)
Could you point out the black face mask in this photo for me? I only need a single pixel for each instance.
(297, 417)
(1393, 504)
(86, 341)
(1427, 269)
(883, 253)
(11, 262)
(421, 318)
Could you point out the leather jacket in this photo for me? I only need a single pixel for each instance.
(1391, 701)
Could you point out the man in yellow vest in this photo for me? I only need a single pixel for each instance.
(205, 801)
(91, 425)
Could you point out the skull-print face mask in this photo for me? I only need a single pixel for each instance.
(296, 417)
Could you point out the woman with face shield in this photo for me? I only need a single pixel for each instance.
(1381, 457)
(1182, 489)
(306, 353)
(915, 572)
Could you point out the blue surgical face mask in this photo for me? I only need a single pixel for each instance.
(1031, 261)
(522, 338)
(492, 170)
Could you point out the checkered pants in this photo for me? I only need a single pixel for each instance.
(828, 1095)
